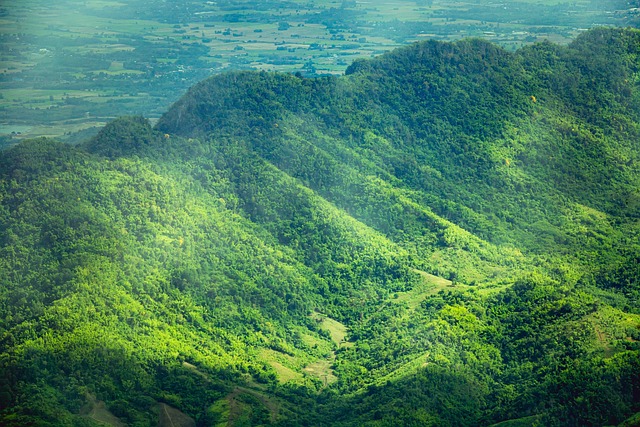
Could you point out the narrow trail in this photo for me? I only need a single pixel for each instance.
(164, 408)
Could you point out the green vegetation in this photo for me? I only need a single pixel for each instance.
(448, 235)
(66, 67)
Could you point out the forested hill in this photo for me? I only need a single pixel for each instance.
(448, 235)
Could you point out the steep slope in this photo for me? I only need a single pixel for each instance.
(447, 235)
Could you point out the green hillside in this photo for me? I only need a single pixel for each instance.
(447, 235)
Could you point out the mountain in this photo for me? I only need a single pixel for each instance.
(447, 235)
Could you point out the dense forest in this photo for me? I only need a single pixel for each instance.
(447, 235)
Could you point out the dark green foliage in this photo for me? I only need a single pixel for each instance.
(470, 216)
(131, 133)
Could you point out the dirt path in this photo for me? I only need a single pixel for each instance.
(97, 411)
(172, 417)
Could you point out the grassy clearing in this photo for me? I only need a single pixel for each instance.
(405, 369)
(430, 285)
(195, 370)
(337, 330)
(320, 345)
(285, 374)
(101, 414)
(611, 327)
(97, 411)
(171, 417)
(322, 370)
(287, 367)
